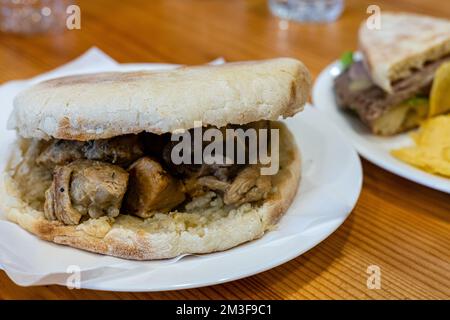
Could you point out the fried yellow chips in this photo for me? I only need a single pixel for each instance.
(431, 151)
(440, 91)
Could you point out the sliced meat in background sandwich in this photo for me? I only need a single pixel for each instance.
(93, 169)
(390, 86)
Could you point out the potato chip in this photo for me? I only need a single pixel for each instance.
(440, 91)
(431, 151)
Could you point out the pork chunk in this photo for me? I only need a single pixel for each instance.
(85, 188)
(121, 150)
(60, 152)
(224, 172)
(248, 186)
(151, 189)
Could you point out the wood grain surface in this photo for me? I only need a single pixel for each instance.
(398, 225)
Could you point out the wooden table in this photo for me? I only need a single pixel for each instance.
(400, 226)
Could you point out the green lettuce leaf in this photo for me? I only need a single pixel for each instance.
(346, 59)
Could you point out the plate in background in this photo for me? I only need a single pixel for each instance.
(374, 148)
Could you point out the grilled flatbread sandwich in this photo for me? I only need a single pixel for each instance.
(93, 164)
(389, 87)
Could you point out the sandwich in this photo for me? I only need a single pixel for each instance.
(389, 87)
(94, 165)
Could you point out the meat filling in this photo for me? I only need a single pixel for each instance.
(122, 150)
(151, 189)
(223, 172)
(104, 177)
(60, 152)
(248, 186)
(85, 188)
(355, 90)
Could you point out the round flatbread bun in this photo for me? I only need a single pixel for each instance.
(104, 105)
(213, 228)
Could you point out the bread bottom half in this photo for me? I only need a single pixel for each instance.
(165, 235)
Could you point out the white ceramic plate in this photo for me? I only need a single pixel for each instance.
(374, 148)
(329, 189)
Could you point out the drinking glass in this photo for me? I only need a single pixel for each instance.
(32, 16)
(307, 10)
